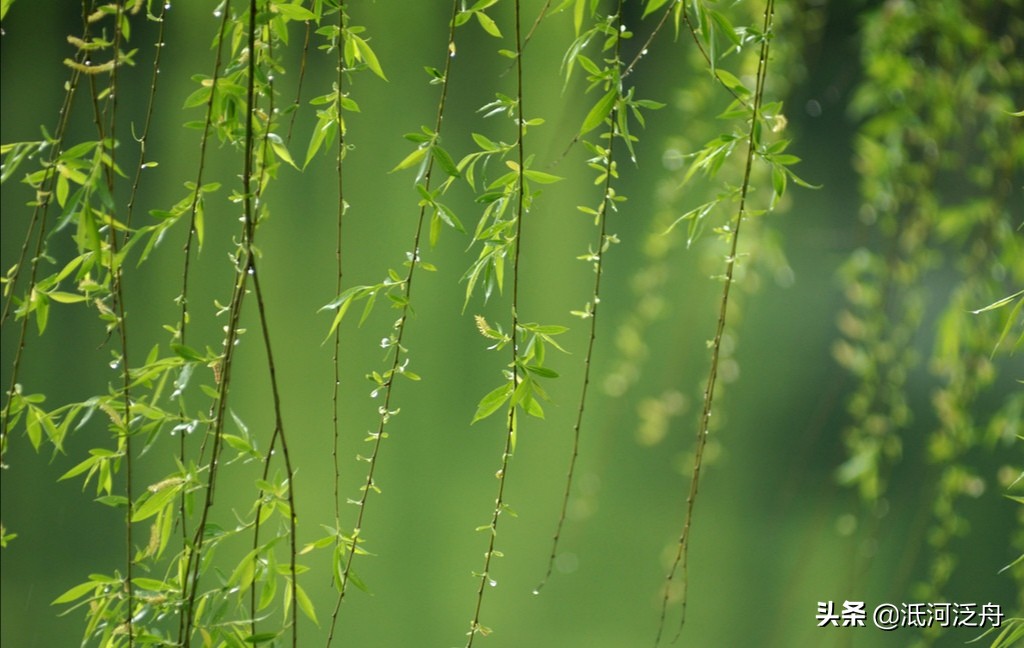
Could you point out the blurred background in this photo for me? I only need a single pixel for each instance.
(775, 533)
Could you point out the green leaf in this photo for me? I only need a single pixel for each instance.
(999, 303)
(725, 27)
(112, 500)
(75, 593)
(357, 581)
(293, 11)
(66, 297)
(269, 589)
(730, 81)
(652, 6)
(778, 183)
(186, 352)
(488, 24)
(154, 503)
(342, 303)
(239, 444)
(523, 390)
(412, 159)
(261, 637)
(541, 177)
(546, 329)
(490, 403)
(33, 428)
(533, 408)
(367, 55)
(98, 455)
(305, 604)
(152, 584)
(599, 112)
(197, 98)
(484, 143)
(1010, 321)
(282, 152)
(589, 66)
(785, 159)
(450, 219)
(543, 372)
(324, 128)
(245, 571)
(445, 160)
(41, 305)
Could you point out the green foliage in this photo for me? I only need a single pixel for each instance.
(913, 122)
(204, 476)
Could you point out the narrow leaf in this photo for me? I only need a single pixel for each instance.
(490, 403)
(412, 159)
(599, 112)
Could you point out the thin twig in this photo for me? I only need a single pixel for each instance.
(400, 328)
(510, 430)
(606, 203)
(336, 360)
(39, 213)
(117, 290)
(183, 297)
(302, 78)
(682, 551)
(234, 317)
(278, 435)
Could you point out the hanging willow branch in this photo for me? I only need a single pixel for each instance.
(606, 162)
(682, 551)
(216, 431)
(475, 627)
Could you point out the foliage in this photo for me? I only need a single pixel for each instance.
(925, 198)
(192, 442)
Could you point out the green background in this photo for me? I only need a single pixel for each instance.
(774, 534)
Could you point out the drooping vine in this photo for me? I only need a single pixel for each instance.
(613, 110)
(243, 262)
(956, 141)
(604, 161)
(194, 463)
(398, 289)
(756, 146)
(514, 190)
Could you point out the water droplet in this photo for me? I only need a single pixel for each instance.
(536, 591)
(114, 364)
(492, 582)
